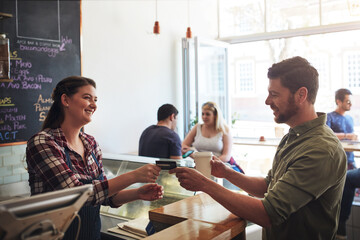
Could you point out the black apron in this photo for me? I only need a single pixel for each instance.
(90, 215)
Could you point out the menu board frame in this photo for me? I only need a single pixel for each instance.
(44, 48)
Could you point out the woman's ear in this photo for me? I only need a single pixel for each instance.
(65, 100)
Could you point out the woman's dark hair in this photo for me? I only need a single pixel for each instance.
(68, 86)
(295, 73)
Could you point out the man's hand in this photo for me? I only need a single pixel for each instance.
(190, 179)
(218, 168)
(150, 192)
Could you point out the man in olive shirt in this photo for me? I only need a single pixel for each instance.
(300, 197)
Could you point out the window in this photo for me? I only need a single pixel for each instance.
(283, 15)
(241, 17)
(321, 63)
(263, 32)
(204, 77)
(335, 11)
(352, 71)
(249, 17)
(336, 56)
(244, 82)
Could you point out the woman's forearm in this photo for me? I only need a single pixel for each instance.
(225, 157)
(121, 182)
(125, 196)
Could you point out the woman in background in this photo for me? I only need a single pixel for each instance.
(62, 156)
(211, 136)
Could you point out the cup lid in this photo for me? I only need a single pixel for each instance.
(203, 154)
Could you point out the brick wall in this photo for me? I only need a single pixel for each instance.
(13, 164)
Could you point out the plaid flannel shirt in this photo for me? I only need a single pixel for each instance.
(48, 171)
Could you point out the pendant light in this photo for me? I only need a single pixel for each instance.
(156, 25)
(188, 31)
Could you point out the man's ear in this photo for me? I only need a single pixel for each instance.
(302, 94)
(338, 102)
(172, 117)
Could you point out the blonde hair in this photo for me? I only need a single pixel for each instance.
(220, 124)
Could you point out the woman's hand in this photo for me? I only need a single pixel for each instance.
(218, 168)
(185, 149)
(147, 174)
(150, 192)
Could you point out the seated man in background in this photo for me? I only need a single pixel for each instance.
(161, 140)
(341, 123)
(343, 127)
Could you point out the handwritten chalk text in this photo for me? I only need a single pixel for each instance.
(11, 135)
(5, 101)
(10, 117)
(52, 52)
(9, 110)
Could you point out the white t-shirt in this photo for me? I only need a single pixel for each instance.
(203, 144)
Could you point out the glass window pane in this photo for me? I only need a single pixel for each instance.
(336, 56)
(192, 87)
(212, 76)
(245, 78)
(352, 70)
(241, 17)
(208, 81)
(340, 11)
(283, 15)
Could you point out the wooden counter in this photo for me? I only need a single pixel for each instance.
(349, 146)
(197, 217)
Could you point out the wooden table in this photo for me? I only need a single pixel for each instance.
(351, 146)
(197, 217)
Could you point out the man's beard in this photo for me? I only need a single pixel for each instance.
(289, 112)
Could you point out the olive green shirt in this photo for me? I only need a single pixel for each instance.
(305, 183)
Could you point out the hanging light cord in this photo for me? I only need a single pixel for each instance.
(156, 10)
(188, 12)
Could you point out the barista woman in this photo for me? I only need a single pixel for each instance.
(62, 156)
(211, 136)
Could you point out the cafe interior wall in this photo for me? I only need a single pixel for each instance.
(135, 71)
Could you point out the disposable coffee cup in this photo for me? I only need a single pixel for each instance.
(202, 162)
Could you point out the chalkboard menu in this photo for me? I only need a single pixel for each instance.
(44, 48)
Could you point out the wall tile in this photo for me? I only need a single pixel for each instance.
(5, 151)
(19, 149)
(11, 160)
(12, 179)
(19, 169)
(5, 171)
(24, 176)
(12, 164)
